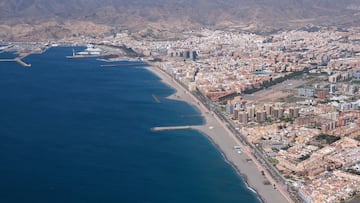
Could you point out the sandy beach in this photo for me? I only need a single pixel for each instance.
(246, 165)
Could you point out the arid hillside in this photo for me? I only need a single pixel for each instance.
(53, 18)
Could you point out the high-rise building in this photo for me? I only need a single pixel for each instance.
(332, 88)
(278, 113)
(236, 114)
(268, 109)
(243, 117)
(294, 112)
(187, 54)
(251, 112)
(193, 55)
(281, 112)
(261, 116)
(229, 109)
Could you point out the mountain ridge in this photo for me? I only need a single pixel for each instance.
(182, 14)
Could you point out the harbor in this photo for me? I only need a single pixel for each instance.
(90, 51)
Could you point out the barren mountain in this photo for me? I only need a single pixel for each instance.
(180, 14)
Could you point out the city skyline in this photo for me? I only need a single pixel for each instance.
(277, 81)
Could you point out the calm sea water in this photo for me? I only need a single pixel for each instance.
(72, 131)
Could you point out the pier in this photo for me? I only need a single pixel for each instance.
(156, 129)
(21, 62)
(7, 60)
(18, 60)
(156, 99)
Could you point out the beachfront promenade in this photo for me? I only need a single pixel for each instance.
(124, 65)
(222, 134)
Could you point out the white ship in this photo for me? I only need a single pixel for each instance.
(90, 50)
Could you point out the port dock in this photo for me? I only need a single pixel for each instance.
(78, 56)
(157, 129)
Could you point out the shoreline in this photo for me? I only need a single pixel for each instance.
(244, 163)
(237, 170)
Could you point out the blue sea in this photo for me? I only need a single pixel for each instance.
(72, 131)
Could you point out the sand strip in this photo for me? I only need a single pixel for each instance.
(245, 163)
